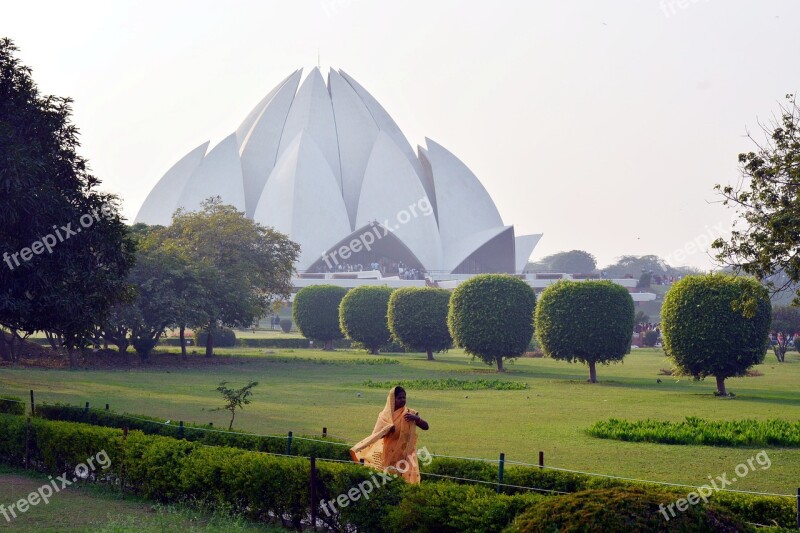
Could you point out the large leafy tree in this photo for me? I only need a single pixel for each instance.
(716, 325)
(65, 249)
(491, 317)
(572, 262)
(418, 319)
(767, 242)
(589, 321)
(242, 266)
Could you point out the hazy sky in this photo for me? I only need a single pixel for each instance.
(603, 125)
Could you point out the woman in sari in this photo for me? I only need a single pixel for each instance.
(393, 444)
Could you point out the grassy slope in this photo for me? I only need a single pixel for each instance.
(551, 416)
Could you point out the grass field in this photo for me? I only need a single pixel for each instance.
(92, 509)
(305, 390)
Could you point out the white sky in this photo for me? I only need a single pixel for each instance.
(603, 125)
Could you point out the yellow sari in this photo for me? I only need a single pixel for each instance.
(394, 452)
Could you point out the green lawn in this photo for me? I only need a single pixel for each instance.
(94, 509)
(298, 392)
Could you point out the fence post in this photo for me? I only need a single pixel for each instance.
(324, 432)
(500, 471)
(313, 494)
(33, 405)
(28, 442)
(289, 444)
(798, 508)
(541, 459)
(180, 430)
(106, 407)
(86, 409)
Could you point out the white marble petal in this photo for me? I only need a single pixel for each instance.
(524, 245)
(259, 148)
(220, 174)
(312, 114)
(302, 199)
(247, 124)
(356, 130)
(463, 205)
(393, 196)
(385, 122)
(455, 252)
(162, 201)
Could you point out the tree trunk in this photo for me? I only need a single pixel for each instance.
(328, 347)
(374, 350)
(183, 341)
(51, 339)
(499, 361)
(5, 349)
(430, 355)
(721, 386)
(592, 372)
(73, 361)
(209, 344)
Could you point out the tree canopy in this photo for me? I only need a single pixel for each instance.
(418, 319)
(491, 317)
(768, 205)
(587, 321)
(572, 262)
(65, 249)
(243, 267)
(316, 312)
(716, 325)
(362, 316)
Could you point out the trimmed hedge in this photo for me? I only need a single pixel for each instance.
(417, 318)
(223, 338)
(316, 312)
(12, 405)
(192, 432)
(362, 316)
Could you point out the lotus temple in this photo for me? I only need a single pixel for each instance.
(324, 163)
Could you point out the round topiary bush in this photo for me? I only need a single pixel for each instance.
(716, 325)
(650, 338)
(418, 319)
(491, 317)
(586, 321)
(362, 316)
(316, 313)
(624, 509)
(223, 338)
(286, 325)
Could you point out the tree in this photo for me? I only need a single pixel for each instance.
(716, 325)
(766, 201)
(785, 323)
(641, 318)
(48, 203)
(572, 262)
(418, 319)
(243, 267)
(362, 316)
(586, 321)
(234, 398)
(491, 317)
(316, 313)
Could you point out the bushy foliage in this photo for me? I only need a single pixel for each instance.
(716, 325)
(491, 317)
(204, 434)
(698, 431)
(362, 316)
(586, 321)
(650, 338)
(286, 325)
(12, 405)
(316, 312)
(622, 509)
(223, 337)
(418, 319)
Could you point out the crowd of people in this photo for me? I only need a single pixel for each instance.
(385, 267)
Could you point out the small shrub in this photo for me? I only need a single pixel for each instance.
(286, 325)
(12, 405)
(650, 338)
(223, 338)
